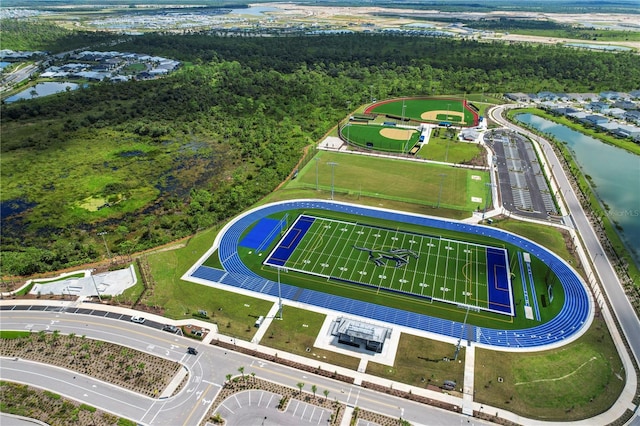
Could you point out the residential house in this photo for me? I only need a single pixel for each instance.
(632, 116)
(598, 107)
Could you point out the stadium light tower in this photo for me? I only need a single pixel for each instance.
(486, 203)
(332, 164)
(317, 160)
(403, 106)
(455, 355)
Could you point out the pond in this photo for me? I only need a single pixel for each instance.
(254, 10)
(42, 89)
(598, 46)
(614, 172)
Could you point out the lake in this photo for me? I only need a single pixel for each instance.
(614, 172)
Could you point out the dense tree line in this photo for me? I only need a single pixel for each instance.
(30, 35)
(223, 131)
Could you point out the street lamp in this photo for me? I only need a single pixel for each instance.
(332, 164)
(104, 240)
(95, 285)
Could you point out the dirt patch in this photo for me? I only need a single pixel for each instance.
(433, 115)
(397, 134)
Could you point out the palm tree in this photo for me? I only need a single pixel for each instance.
(241, 371)
(314, 388)
(54, 337)
(326, 394)
(300, 386)
(253, 377)
(228, 378)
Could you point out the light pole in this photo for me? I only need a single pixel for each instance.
(332, 164)
(104, 240)
(316, 159)
(279, 292)
(403, 106)
(442, 176)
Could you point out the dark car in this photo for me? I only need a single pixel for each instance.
(170, 328)
(192, 351)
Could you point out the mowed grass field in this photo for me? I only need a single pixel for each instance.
(570, 383)
(380, 137)
(296, 333)
(447, 149)
(408, 181)
(422, 362)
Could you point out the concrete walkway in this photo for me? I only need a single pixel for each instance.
(469, 375)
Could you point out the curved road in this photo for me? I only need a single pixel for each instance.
(208, 373)
(621, 306)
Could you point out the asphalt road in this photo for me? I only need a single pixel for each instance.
(621, 306)
(208, 372)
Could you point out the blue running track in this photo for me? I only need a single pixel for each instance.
(574, 315)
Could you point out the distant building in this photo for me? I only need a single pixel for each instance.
(517, 97)
(610, 95)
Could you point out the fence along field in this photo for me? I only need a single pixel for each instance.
(429, 267)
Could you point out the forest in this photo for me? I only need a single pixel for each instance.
(165, 158)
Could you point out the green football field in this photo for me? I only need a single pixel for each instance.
(382, 259)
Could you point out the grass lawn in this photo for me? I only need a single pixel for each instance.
(570, 383)
(181, 299)
(449, 150)
(290, 193)
(421, 362)
(396, 180)
(297, 331)
(547, 236)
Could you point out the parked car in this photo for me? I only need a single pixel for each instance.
(170, 328)
(137, 319)
(192, 351)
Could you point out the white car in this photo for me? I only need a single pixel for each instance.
(137, 319)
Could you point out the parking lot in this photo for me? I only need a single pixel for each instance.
(522, 184)
(257, 408)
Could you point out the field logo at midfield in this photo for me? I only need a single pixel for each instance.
(400, 256)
